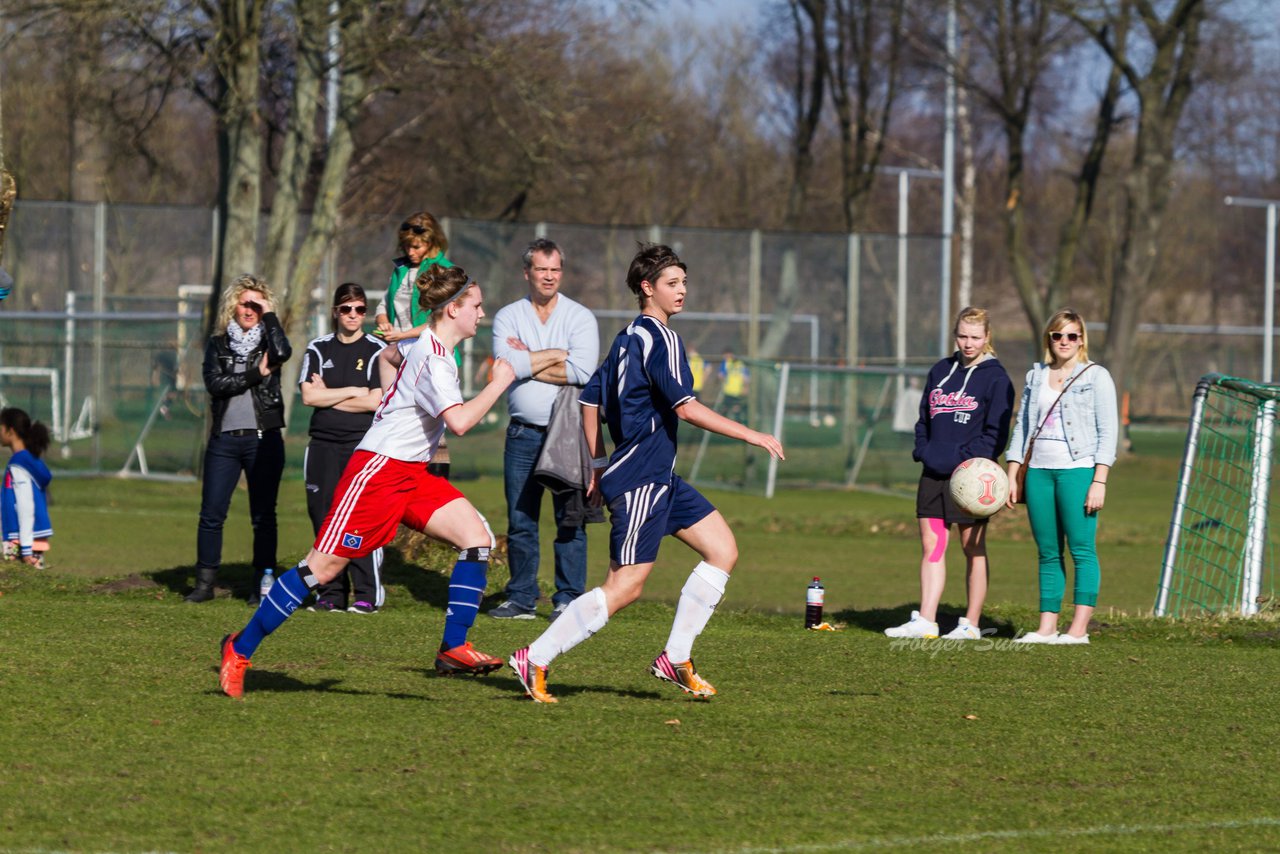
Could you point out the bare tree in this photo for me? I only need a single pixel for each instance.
(1157, 54)
(1017, 42)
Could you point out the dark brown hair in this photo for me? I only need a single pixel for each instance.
(648, 264)
(32, 433)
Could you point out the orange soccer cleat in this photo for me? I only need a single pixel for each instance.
(682, 675)
(531, 676)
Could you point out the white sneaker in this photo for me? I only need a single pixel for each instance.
(964, 631)
(916, 627)
(1035, 637)
(1065, 639)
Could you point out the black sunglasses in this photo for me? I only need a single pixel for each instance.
(416, 229)
(1073, 337)
(350, 309)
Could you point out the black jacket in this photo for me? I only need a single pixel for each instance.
(223, 383)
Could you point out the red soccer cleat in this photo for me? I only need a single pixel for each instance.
(465, 659)
(231, 676)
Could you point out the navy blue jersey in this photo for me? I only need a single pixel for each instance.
(644, 377)
(964, 413)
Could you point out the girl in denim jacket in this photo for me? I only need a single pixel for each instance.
(1068, 469)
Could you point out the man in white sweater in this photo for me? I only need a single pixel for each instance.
(551, 341)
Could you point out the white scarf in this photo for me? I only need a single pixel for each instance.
(243, 342)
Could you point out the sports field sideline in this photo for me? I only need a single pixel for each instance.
(1160, 735)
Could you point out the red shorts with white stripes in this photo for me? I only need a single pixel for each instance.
(375, 495)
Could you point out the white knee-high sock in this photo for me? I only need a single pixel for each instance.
(585, 616)
(701, 593)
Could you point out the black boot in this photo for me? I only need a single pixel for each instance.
(203, 592)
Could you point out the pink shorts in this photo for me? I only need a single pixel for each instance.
(377, 494)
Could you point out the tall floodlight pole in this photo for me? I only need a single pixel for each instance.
(1269, 302)
(948, 181)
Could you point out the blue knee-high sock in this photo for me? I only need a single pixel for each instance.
(285, 597)
(466, 589)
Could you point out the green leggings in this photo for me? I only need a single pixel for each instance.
(1055, 506)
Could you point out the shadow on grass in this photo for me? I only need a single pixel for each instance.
(425, 584)
(260, 681)
(878, 619)
(235, 580)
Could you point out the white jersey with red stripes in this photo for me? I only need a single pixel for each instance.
(408, 424)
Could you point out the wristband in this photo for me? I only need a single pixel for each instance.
(1103, 482)
(598, 463)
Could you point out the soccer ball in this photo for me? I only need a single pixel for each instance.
(979, 487)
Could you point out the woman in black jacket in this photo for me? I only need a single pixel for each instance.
(242, 376)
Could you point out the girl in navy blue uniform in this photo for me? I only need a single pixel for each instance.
(642, 391)
(964, 413)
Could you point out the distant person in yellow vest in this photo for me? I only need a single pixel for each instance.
(697, 369)
(733, 382)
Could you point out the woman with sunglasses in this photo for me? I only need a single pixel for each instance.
(339, 378)
(242, 375)
(1069, 417)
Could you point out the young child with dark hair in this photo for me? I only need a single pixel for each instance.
(24, 506)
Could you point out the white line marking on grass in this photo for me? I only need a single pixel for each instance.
(1037, 833)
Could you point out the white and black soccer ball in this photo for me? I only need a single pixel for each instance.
(979, 487)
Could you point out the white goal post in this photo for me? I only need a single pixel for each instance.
(58, 426)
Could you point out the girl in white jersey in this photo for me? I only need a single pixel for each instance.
(387, 484)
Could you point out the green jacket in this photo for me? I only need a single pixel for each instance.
(417, 314)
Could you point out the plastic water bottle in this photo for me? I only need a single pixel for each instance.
(813, 600)
(268, 580)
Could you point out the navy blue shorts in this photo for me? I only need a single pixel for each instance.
(643, 516)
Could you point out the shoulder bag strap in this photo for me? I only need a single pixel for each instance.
(1056, 401)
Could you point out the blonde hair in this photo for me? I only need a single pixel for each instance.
(440, 286)
(973, 314)
(1060, 319)
(232, 293)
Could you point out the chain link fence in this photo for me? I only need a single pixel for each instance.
(102, 337)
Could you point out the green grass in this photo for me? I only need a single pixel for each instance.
(1161, 735)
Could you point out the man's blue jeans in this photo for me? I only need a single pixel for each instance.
(524, 504)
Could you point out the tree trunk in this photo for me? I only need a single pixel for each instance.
(296, 154)
(238, 53)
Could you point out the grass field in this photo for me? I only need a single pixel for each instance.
(113, 736)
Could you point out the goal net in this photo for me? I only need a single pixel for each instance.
(1219, 553)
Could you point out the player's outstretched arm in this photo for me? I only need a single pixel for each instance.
(700, 415)
(462, 418)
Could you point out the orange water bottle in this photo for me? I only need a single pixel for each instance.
(813, 600)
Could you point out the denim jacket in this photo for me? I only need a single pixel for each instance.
(1090, 415)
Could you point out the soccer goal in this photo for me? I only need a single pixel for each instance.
(843, 428)
(1219, 554)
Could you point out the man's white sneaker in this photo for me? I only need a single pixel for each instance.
(1035, 637)
(1065, 639)
(916, 627)
(964, 631)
